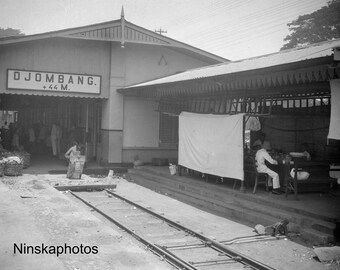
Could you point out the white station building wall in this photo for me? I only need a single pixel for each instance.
(141, 118)
(142, 126)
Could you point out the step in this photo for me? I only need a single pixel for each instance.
(316, 237)
(225, 198)
(294, 218)
(227, 210)
(235, 211)
(324, 227)
(222, 191)
(231, 209)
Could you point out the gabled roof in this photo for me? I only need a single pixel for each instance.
(111, 31)
(290, 56)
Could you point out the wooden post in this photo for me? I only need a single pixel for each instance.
(86, 130)
(242, 188)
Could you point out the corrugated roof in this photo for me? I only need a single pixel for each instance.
(314, 51)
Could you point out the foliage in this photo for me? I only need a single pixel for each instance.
(9, 32)
(321, 25)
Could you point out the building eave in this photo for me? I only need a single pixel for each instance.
(307, 64)
(278, 77)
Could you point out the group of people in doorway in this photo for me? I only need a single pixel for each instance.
(10, 136)
(38, 138)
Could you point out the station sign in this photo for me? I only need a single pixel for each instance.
(52, 81)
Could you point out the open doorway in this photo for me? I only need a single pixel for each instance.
(32, 117)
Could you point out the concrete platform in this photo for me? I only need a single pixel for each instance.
(313, 215)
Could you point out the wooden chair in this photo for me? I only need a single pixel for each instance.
(260, 178)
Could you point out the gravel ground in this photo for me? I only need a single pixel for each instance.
(59, 220)
(62, 219)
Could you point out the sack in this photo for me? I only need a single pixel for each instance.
(173, 169)
(301, 175)
(75, 170)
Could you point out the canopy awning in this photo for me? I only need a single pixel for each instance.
(282, 70)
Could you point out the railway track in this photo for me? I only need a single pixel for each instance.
(172, 242)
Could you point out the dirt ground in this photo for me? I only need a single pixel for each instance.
(33, 212)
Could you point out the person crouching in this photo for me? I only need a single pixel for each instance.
(73, 151)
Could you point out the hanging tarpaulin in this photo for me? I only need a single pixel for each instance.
(334, 126)
(211, 144)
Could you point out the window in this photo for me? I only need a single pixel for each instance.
(168, 130)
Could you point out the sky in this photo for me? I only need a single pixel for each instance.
(233, 29)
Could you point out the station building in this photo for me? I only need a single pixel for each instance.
(71, 77)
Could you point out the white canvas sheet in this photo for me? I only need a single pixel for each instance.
(334, 126)
(211, 144)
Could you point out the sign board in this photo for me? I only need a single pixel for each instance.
(52, 81)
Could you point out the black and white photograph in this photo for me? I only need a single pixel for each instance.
(164, 135)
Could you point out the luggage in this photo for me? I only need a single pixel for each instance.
(75, 167)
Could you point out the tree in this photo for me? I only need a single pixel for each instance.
(321, 25)
(9, 32)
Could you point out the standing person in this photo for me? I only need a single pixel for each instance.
(8, 140)
(3, 136)
(42, 138)
(72, 151)
(72, 135)
(262, 156)
(54, 139)
(15, 140)
(48, 142)
(59, 138)
(31, 139)
(5, 126)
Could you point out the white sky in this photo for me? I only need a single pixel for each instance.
(234, 29)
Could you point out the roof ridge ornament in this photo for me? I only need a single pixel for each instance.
(122, 19)
(122, 13)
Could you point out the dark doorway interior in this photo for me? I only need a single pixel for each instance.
(78, 118)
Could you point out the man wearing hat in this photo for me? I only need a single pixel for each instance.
(261, 156)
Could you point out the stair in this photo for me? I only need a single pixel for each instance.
(246, 208)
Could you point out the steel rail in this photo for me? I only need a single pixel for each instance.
(256, 265)
(164, 254)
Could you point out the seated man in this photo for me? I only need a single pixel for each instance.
(261, 156)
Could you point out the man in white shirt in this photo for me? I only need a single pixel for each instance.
(261, 156)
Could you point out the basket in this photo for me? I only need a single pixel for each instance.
(24, 156)
(13, 169)
(2, 168)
